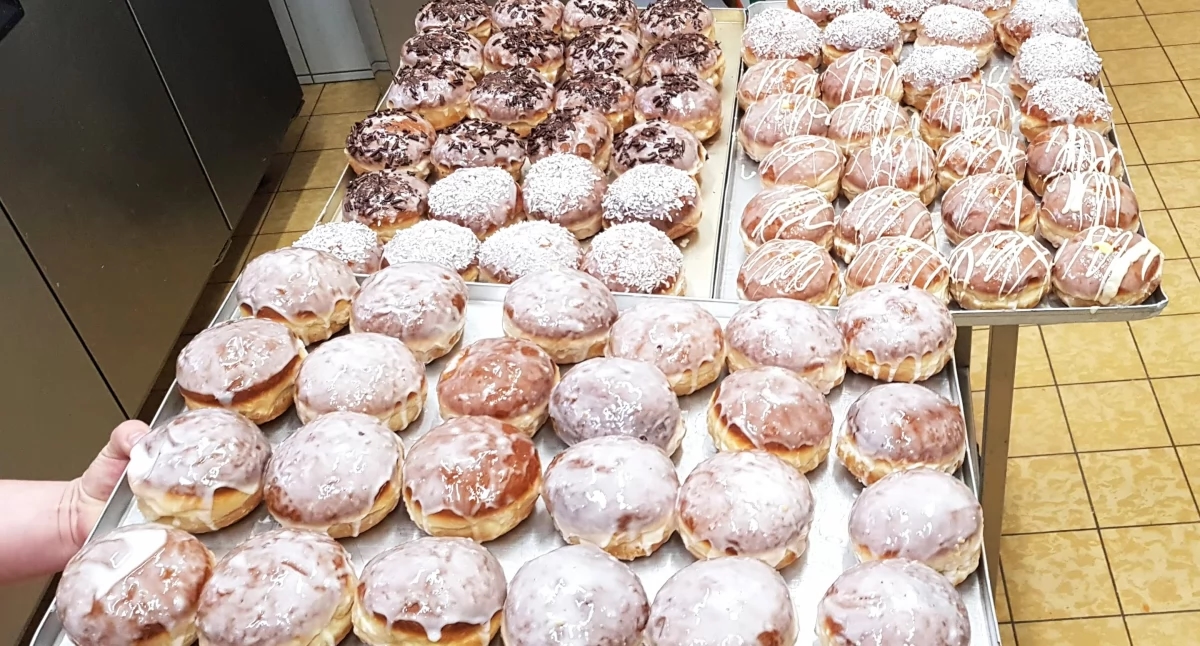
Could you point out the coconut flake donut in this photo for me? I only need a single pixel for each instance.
(822, 11)
(472, 143)
(436, 242)
(666, 18)
(472, 477)
(988, 202)
(576, 594)
(733, 600)
(746, 503)
(308, 291)
(1063, 101)
(518, 97)
(430, 591)
(778, 33)
(790, 334)
(774, 410)
(565, 190)
(893, 161)
(896, 333)
(387, 201)
(467, 15)
(926, 69)
(923, 515)
(955, 26)
(528, 14)
(962, 106)
(605, 49)
(682, 99)
(856, 123)
(422, 304)
(1050, 55)
(796, 269)
(525, 248)
(899, 260)
(353, 243)
(995, 10)
(683, 340)
(860, 73)
(577, 131)
(364, 373)
(1103, 266)
(137, 585)
(617, 493)
(999, 270)
(394, 139)
(867, 29)
(443, 45)
(1031, 17)
(892, 601)
(881, 212)
(787, 213)
(609, 94)
(285, 586)
(981, 150)
(659, 142)
(1070, 149)
(506, 379)
(685, 53)
(896, 427)
(613, 397)
(483, 200)
(806, 160)
(636, 258)
(779, 117)
(664, 197)
(582, 14)
(780, 76)
(907, 13)
(536, 48)
(1075, 202)
(436, 92)
(563, 311)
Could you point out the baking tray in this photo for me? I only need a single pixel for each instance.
(743, 183)
(834, 489)
(700, 248)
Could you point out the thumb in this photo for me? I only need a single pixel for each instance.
(105, 471)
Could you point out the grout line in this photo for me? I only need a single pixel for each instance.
(1007, 596)
(1098, 527)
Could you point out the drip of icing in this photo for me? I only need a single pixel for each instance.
(234, 357)
(616, 397)
(897, 259)
(1001, 262)
(1100, 261)
(787, 212)
(787, 269)
(809, 160)
(920, 514)
(894, 323)
(721, 602)
(363, 373)
(675, 337)
(293, 282)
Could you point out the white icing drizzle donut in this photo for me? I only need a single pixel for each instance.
(776, 76)
(788, 334)
(724, 601)
(293, 283)
(787, 213)
(527, 247)
(983, 150)
(858, 74)
(859, 121)
(961, 106)
(610, 396)
(881, 212)
(1071, 149)
(437, 242)
(893, 160)
(635, 257)
(779, 117)
(867, 29)
(988, 202)
(229, 361)
(1050, 55)
(353, 243)
(899, 260)
(778, 33)
(1078, 201)
(1000, 264)
(480, 199)
(796, 269)
(808, 160)
(892, 323)
(1102, 264)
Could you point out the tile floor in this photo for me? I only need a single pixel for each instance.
(1102, 529)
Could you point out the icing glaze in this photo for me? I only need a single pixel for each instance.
(605, 49)
(773, 408)
(658, 142)
(984, 150)
(232, 360)
(415, 302)
(580, 14)
(533, 47)
(1102, 263)
(682, 99)
(1078, 201)
(675, 337)
(721, 602)
(473, 143)
(807, 160)
(294, 282)
(908, 425)
(901, 260)
(665, 18)
(540, 14)
(859, 121)
(364, 373)
(457, 14)
(919, 514)
(392, 138)
(558, 303)
(429, 88)
(607, 93)
(1000, 263)
(776, 76)
(1070, 149)
(788, 213)
(881, 212)
(616, 397)
(779, 117)
(961, 106)
(859, 74)
(893, 323)
(685, 53)
(789, 269)
(444, 45)
(384, 197)
(893, 160)
(501, 378)
(578, 131)
(988, 202)
(789, 334)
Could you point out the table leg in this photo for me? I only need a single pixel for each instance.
(997, 424)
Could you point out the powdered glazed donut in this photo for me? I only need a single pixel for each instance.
(896, 333)
(683, 340)
(608, 397)
(788, 334)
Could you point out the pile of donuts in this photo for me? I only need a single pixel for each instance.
(890, 133)
(743, 513)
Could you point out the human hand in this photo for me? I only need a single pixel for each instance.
(87, 494)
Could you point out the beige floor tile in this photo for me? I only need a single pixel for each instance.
(1187, 223)
(1039, 426)
(1140, 487)
(1132, 66)
(979, 347)
(1157, 630)
(1118, 117)
(1169, 6)
(294, 210)
(1186, 59)
(1177, 398)
(351, 96)
(1153, 102)
(276, 169)
(1113, 416)
(1121, 33)
(1033, 367)
(1170, 345)
(1182, 287)
(1177, 28)
(312, 93)
(1129, 147)
(1002, 614)
(231, 265)
(206, 307)
(1007, 637)
(1176, 183)
(254, 214)
(1093, 352)
(314, 169)
(1193, 88)
(1109, 631)
(1164, 142)
(1189, 456)
(977, 400)
(328, 131)
(1108, 8)
(1145, 188)
(1161, 230)
(1045, 494)
(1157, 569)
(291, 138)
(1057, 576)
(271, 242)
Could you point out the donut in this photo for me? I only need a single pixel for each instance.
(995, 10)
(605, 49)
(506, 379)
(804, 160)
(955, 26)
(563, 311)
(666, 18)
(682, 99)
(575, 594)
(581, 14)
(926, 69)
(1050, 55)
(778, 76)
(440, 243)
(609, 94)
(774, 410)
(430, 591)
(776, 33)
(1063, 101)
(892, 601)
(386, 201)
(963, 106)
(896, 427)
(683, 340)
(466, 15)
(896, 333)
(822, 11)
(353, 243)
(338, 474)
(923, 515)
(528, 14)
(685, 53)
(796, 269)
(308, 291)
(907, 13)
(526, 248)
(856, 123)
(422, 304)
(988, 202)
(138, 585)
(285, 586)
(658, 142)
(636, 258)
(539, 49)
(248, 366)
(472, 477)
(1106, 266)
(881, 212)
(999, 270)
(483, 200)
(789, 334)
(1070, 149)
(577, 131)
(662, 196)
(438, 93)
(365, 373)
(892, 161)
(1030, 17)
(900, 260)
(981, 150)
(517, 97)
(393, 139)
(613, 397)
(443, 45)
(858, 74)
(779, 117)
(473, 144)
(565, 190)
(866, 29)
(733, 600)
(787, 213)
(1075, 202)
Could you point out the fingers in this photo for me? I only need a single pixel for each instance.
(123, 437)
(105, 471)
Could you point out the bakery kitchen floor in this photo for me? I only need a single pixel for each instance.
(1102, 530)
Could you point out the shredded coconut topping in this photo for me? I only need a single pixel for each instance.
(473, 195)
(634, 257)
(648, 192)
(1048, 56)
(937, 66)
(981, 5)
(780, 33)
(1065, 99)
(950, 24)
(902, 10)
(868, 29)
(352, 242)
(560, 184)
(527, 247)
(1045, 16)
(433, 241)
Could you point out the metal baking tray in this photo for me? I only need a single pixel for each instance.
(701, 247)
(828, 553)
(744, 183)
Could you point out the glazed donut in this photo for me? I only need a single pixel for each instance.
(248, 366)
(867, 29)
(955, 26)
(309, 482)
(385, 200)
(474, 144)
(577, 594)
(664, 197)
(437, 93)
(526, 248)
(881, 212)
(605, 49)
(822, 11)
(364, 373)
(563, 311)
(896, 333)
(1075, 202)
(999, 270)
(609, 94)
(136, 585)
(466, 15)
(988, 202)
(658, 142)
(995, 10)
(683, 100)
(790, 334)
(796, 269)
(612, 397)
(894, 161)
(981, 150)
(780, 76)
(906, 13)
(1031, 17)
(430, 591)
(567, 191)
(539, 49)
(517, 97)
(856, 123)
(483, 200)
(899, 260)
(773, 410)
(963, 106)
(577, 131)
(308, 291)
(285, 586)
(440, 243)
(636, 258)
(422, 304)
(528, 14)
(353, 243)
(733, 600)
(666, 18)
(926, 69)
(581, 14)
(805, 160)
(787, 213)
(923, 515)
(199, 472)
(506, 379)
(394, 139)
(683, 340)
(858, 74)
(443, 45)
(1063, 101)
(685, 53)
(896, 427)
(1050, 55)
(894, 600)
(1105, 266)
(472, 477)
(1070, 149)
(779, 117)
(777, 33)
